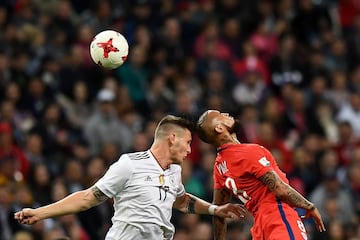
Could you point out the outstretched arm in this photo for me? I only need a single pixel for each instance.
(188, 203)
(75, 202)
(289, 195)
(221, 196)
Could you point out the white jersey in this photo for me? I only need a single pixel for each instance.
(143, 193)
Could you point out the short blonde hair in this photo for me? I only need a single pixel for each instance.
(171, 122)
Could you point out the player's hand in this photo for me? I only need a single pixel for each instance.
(315, 214)
(27, 216)
(229, 210)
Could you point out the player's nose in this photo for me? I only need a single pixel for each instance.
(188, 150)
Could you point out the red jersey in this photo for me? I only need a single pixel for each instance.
(238, 168)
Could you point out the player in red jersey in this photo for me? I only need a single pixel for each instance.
(250, 173)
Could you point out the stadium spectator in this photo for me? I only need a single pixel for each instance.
(353, 180)
(33, 149)
(333, 201)
(346, 144)
(104, 125)
(77, 108)
(134, 76)
(267, 138)
(10, 150)
(350, 113)
(40, 183)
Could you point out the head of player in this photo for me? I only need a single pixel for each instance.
(217, 128)
(172, 140)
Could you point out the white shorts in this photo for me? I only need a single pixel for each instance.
(148, 231)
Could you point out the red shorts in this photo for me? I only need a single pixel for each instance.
(278, 222)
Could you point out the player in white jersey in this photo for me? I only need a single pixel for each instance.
(145, 186)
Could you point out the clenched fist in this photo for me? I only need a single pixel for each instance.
(27, 216)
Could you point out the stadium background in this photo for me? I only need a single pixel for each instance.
(289, 70)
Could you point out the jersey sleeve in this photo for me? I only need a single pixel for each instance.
(116, 177)
(181, 188)
(216, 178)
(256, 160)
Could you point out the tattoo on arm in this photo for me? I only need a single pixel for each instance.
(284, 191)
(191, 205)
(295, 199)
(269, 179)
(99, 195)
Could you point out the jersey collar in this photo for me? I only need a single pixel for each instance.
(225, 146)
(156, 162)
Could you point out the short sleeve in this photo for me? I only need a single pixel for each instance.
(261, 162)
(116, 177)
(181, 189)
(255, 160)
(216, 176)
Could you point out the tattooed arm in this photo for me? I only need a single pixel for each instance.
(221, 196)
(190, 204)
(285, 192)
(289, 195)
(75, 202)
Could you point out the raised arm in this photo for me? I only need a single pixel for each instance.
(289, 195)
(221, 196)
(75, 202)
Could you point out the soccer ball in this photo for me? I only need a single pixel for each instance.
(109, 49)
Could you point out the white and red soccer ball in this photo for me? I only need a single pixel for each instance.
(109, 49)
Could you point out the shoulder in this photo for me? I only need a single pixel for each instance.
(247, 154)
(124, 162)
(93, 120)
(256, 149)
(139, 161)
(136, 156)
(248, 149)
(253, 146)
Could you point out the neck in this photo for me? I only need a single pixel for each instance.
(161, 155)
(226, 139)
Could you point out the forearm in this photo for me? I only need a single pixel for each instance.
(219, 228)
(285, 192)
(76, 202)
(221, 196)
(192, 204)
(294, 198)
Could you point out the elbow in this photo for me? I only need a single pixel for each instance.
(181, 203)
(280, 194)
(181, 207)
(85, 206)
(183, 210)
(87, 201)
(281, 191)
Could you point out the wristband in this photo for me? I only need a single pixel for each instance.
(212, 209)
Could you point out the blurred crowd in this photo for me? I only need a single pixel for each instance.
(289, 70)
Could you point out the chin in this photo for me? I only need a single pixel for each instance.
(177, 161)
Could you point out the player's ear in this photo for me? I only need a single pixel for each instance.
(219, 128)
(172, 137)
